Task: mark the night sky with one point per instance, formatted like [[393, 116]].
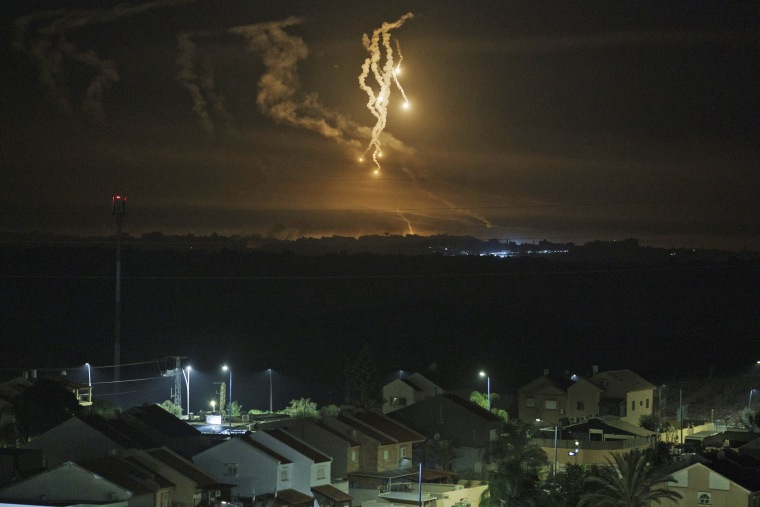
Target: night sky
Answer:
[[528, 120]]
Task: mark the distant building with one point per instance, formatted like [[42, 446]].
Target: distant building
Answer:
[[403, 392]]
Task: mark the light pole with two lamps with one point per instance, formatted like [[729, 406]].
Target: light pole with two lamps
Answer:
[[556, 428], [224, 368], [488, 387], [186, 374]]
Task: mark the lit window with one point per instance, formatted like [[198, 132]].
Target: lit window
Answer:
[[284, 475], [403, 452], [353, 456], [385, 455]]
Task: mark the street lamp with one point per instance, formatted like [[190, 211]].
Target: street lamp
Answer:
[[488, 384], [749, 405], [213, 406], [224, 368], [89, 377], [186, 374], [556, 427], [270, 390]]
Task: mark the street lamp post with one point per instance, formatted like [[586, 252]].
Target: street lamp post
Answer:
[[749, 405], [270, 390], [186, 374], [556, 428], [488, 387], [230, 389], [89, 377]]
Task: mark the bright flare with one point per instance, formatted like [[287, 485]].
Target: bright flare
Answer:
[[383, 72]]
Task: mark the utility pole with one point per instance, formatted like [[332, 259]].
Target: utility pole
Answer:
[[118, 210]]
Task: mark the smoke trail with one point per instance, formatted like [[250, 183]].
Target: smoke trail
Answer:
[[448, 203], [49, 46], [383, 72], [405, 219], [201, 88]]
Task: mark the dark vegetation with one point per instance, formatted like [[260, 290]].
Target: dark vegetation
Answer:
[[664, 316]]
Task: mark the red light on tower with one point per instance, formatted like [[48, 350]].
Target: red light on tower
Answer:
[[118, 205]]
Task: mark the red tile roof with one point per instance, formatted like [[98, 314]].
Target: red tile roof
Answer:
[[298, 445]]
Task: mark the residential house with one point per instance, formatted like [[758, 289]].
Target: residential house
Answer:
[[163, 427], [66, 484], [721, 479], [385, 450], [86, 437], [552, 399], [403, 392], [343, 448], [147, 489], [16, 463], [625, 393], [592, 441], [252, 467], [464, 428], [192, 485], [311, 468]]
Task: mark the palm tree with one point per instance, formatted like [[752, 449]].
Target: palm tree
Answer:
[[516, 478], [627, 481]]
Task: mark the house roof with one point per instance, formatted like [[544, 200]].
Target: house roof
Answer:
[[743, 471], [293, 497], [472, 407], [184, 467], [547, 381], [628, 379], [365, 429], [120, 432], [298, 445], [127, 474], [348, 438], [162, 421], [397, 431], [332, 493], [612, 422], [266, 450]]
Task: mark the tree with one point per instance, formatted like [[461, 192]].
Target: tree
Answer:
[[236, 409], [170, 407], [105, 408], [44, 405], [331, 410], [364, 381], [301, 408], [441, 451], [482, 399], [627, 480], [516, 479], [565, 488]]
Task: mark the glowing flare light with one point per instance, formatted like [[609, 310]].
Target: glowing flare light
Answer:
[[384, 72]]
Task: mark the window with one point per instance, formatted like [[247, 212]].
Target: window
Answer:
[[353, 456], [403, 451], [230, 469], [579, 405], [550, 404], [385, 455], [321, 472], [633, 405], [530, 401], [398, 402], [647, 403], [704, 498], [284, 475]]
